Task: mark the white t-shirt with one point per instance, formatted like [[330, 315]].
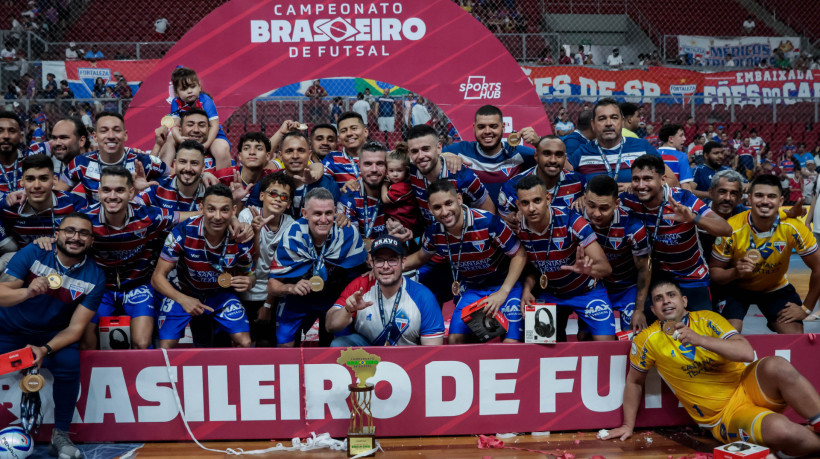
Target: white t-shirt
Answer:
[[71, 54], [756, 143], [419, 114], [564, 126], [361, 107], [614, 61], [161, 25], [268, 241]]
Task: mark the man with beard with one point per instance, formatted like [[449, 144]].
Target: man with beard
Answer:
[[295, 156], [11, 138], [713, 163], [484, 257], [564, 260], [314, 263], [704, 361], [184, 191], [564, 186], [363, 206], [47, 297], [85, 170], [387, 309], [211, 266], [40, 212], [753, 261], [193, 125], [69, 138], [322, 140], [626, 246], [671, 217], [493, 160]]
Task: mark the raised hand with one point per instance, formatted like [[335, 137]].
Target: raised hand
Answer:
[[683, 214], [583, 264], [356, 302], [140, 180]]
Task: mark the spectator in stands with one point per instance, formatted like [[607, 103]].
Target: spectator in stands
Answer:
[[110, 104], [65, 93], [50, 89], [122, 89], [361, 107], [749, 25], [764, 64], [94, 54], [335, 110], [11, 92], [651, 137], [779, 59], [386, 112], [99, 88], [695, 150], [565, 59], [654, 59], [580, 57], [8, 58], [816, 153], [615, 60], [713, 154], [802, 156], [315, 93], [728, 61], [564, 125], [631, 119], [161, 25], [789, 146], [72, 53], [419, 113], [545, 57]]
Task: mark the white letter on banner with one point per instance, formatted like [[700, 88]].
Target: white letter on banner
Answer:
[[633, 88], [489, 386], [290, 401], [317, 397], [148, 387], [588, 87], [259, 31], [788, 88], [543, 85], [280, 31], [97, 405], [192, 394], [301, 31], [218, 406], [400, 392], [605, 88], [434, 374], [561, 85], [550, 384], [251, 393], [413, 29], [589, 384]]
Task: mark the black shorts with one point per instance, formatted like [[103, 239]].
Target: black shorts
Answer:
[[737, 302]]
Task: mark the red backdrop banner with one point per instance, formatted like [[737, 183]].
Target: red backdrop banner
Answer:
[[442, 390], [246, 48]]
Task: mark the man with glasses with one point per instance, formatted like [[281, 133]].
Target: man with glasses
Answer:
[[47, 297], [386, 309]]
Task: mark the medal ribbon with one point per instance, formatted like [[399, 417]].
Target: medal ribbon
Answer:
[[12, 185], [531, 247], [220, 266], [319, 268], [368, 223], [385, 334], [767, 234], [657, 221], [605, 160], [193, 199], [454, 269]]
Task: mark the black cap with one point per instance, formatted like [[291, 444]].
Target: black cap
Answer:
[[387, 242]]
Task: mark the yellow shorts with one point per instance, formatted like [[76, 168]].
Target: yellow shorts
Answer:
[[742, 418]]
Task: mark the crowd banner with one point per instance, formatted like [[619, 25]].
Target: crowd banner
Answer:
[[246, 48], [82, 75], [436, 391], [745, 51], [677, 86]]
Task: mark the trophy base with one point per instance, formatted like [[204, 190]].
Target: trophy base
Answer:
[[358, 443]]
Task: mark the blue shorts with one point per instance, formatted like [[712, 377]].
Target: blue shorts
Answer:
[[293, 315], [511, 310], [137, 302], [228, 312], [624, 301], [592, 307]]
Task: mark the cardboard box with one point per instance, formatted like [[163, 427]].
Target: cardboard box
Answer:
[[16, 360], [540, 323], [115, 332], [483, 327], [741, 450], [625, 335]]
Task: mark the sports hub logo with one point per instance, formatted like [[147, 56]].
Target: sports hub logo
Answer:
[[477, 87], [338, 29]]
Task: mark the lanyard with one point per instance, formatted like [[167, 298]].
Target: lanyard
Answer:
[[319, 268], [368, 223], [219, 267], [61, 269], [531, 246], [12, 185], [192, 204], [768, 234], [454, 269], [605, 160], [657, 220], [353, 163], [386, 321], [294, 209]]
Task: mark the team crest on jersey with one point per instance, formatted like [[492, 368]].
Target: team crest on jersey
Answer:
[[401, 322], [559, 242], [743, 435], [779, 246], [229, 259], [140, 233], [615, 242], [76, 291], [479, 245], [506, 171], [687, 351]]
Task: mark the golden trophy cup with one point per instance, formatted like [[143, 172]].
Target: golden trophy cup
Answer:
[[361, 435]]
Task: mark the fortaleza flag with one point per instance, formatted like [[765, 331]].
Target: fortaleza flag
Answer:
[[81, 75]]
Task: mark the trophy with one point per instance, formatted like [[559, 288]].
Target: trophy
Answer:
[[361, 435]]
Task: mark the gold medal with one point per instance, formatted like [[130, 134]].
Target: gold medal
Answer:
[[649, 265], [301, 127], [55, 281], [754, 255], [544, 281], [668, 326], [32, 383], [224, 280], [456, 288], [368, 243], [514, 139], [168, 121], [317, 284]]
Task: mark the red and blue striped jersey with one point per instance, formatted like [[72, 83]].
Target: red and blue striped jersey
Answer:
[[676, 251], [486, 248], [341, 167], [129, 251], [678, 163], [746, 156], [548, 251], [588, 159], [195, 258], [11, 176], [466, 182], [352, 204], [625, 237], [85, 170], [166, 195], [495, 170], [570, 187], [25, 225]]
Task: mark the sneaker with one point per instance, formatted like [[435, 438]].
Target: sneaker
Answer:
[[62, 447]]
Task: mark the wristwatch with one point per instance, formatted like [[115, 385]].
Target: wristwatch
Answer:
[[49, 350]]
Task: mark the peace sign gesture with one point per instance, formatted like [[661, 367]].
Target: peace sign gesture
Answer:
[[356, 302], [583, 264], [238, 190], [683, 214], [258, 221]]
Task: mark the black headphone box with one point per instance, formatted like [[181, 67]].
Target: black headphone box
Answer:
[[483, 327], [540, 323], [115, 332]]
